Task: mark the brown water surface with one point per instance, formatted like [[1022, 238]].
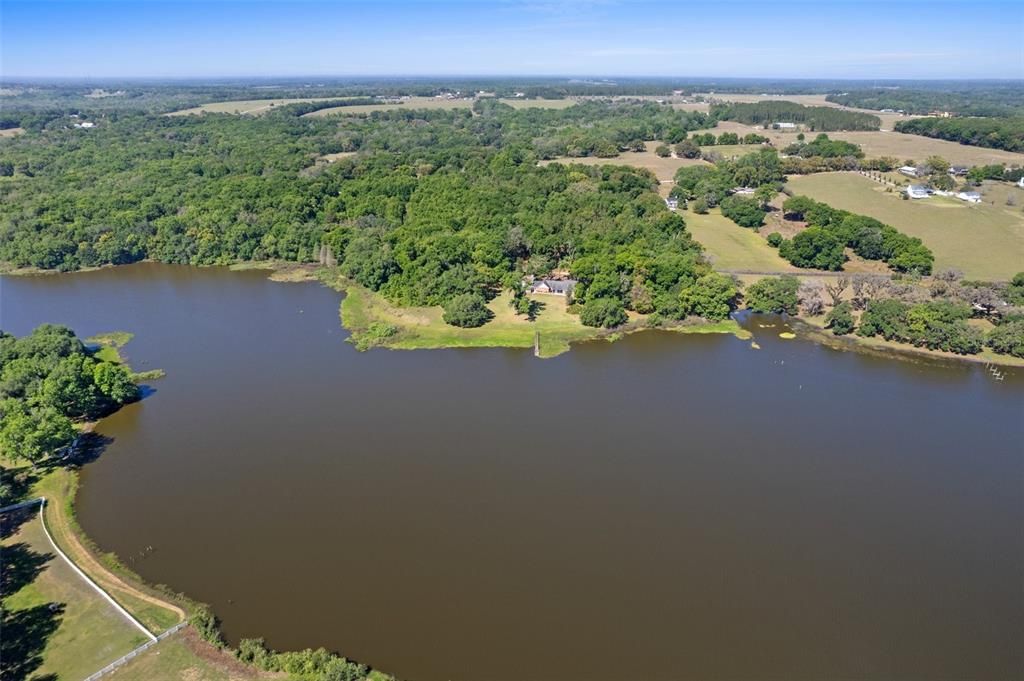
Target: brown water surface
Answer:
[[665, 507]]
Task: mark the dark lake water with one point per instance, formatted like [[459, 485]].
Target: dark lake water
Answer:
[[665, 507]]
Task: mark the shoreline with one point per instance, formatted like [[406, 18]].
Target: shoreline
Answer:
[[810, 328], [294, 272]]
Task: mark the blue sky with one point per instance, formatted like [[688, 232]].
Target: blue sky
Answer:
[[891, 39]]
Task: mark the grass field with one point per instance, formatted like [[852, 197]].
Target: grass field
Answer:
[[11, 132], [423, 327], [248, 106], [731, 247], [86, 635], [184, 657], [985, 241], [663, 168]]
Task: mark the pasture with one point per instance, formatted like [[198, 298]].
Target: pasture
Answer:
[[248, 106], [984, 241], [52, 613], [731, 247], [11, 132]]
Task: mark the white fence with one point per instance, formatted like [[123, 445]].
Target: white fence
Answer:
[[138, 651]]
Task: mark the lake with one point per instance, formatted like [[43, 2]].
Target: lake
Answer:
[[663, 507]]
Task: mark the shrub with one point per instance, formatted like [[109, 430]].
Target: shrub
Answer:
[[467, 310], [815, 247], [840, 319], [1007, 338], [606, 312], [775, 239], [663, 150], [207, 625], [774, 294], [743, 211]]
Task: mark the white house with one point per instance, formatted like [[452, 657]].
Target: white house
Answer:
[[785, 126], [672, 203], [558, 287], [918, 191], [969, 197], [85, 124], [909, 171], [1020, 183]]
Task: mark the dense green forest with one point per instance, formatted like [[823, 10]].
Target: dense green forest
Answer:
[[994, 133], [815, 118], [49, 380], [997, 98], [435, 204]]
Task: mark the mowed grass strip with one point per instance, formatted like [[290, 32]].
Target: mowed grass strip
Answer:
[[88, 633], [731, 247], [985, 241]]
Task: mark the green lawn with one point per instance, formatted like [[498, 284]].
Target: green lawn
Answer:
[[985, 241], [731, 247], [64, 627]]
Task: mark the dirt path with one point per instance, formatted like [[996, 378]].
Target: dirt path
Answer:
[[59, 525]]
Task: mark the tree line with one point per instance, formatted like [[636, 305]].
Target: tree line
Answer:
[[830, 231], [993, 133], [964, 99], [814, 118]]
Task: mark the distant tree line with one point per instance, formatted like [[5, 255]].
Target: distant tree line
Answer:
[[964, 99], [814, 118], [994, 133]]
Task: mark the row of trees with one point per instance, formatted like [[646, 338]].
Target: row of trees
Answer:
[[830, 231], [995, 133], [49, 380], [823, 147], [814, 118]]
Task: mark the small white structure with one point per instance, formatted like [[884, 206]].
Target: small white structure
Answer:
[[969, 197], [744, 191], [786, 126], [958, 171], [672, 203], [909, 171], [918, 191], [1020, 183], [85, 124]]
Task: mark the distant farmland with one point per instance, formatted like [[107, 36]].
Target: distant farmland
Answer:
[[985, 241], [440, 103], [248, 106]]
